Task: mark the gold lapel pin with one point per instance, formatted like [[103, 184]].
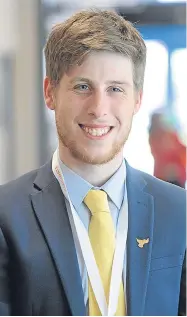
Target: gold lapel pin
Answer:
[[141, 242]]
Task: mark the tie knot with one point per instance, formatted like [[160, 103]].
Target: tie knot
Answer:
[[96, 201]]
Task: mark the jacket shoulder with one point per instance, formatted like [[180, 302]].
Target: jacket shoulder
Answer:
[[20, 183], [16, 191], [164, 189], [165, 193]]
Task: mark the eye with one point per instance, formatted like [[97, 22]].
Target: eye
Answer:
[[82, 87], [115, 89]]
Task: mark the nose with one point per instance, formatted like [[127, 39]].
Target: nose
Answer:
[[98, 105]]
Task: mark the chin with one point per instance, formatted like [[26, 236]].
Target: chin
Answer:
[[96, 158], [89, 154]]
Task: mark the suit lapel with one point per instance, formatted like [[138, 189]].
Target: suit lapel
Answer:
[[141, 219], [50, 209]]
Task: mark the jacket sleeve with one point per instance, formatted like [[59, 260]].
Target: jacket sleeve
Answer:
[[4, 289], [182, 300]]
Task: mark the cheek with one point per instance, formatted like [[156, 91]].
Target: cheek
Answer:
[[124, 116], [72, 106], [69, 116], [122, 110], [64, 109]]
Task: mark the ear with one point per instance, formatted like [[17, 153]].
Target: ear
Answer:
[[49, 94], [138, 100]]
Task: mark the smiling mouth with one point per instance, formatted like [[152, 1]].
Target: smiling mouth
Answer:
[[96, 132]]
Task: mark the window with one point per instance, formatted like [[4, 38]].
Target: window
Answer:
[[137, 150]]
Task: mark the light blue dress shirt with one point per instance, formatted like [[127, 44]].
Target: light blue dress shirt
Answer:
[[78, 188]]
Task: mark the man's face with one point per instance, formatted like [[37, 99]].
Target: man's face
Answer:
[[94, 105]]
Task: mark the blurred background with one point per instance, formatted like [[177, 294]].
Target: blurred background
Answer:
[[157, 143]]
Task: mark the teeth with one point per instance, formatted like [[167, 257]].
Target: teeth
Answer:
[[96, 132]]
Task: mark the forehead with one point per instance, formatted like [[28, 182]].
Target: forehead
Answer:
[[103, 66]]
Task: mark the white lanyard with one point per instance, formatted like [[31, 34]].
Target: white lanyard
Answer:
[[87, 252]]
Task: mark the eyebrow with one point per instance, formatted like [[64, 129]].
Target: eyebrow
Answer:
[[118, 82], [84, 79]]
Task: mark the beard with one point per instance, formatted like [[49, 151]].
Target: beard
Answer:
[[82, 153]]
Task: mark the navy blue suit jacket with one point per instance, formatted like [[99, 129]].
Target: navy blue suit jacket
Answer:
[[39, 273]]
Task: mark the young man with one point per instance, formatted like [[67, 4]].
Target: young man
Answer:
[[86, 234]]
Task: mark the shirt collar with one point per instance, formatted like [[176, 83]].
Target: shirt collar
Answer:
[[114, 187]]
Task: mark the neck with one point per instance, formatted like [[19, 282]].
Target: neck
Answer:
[[97, 175]]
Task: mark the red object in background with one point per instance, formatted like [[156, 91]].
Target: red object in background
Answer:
[[169, 155]]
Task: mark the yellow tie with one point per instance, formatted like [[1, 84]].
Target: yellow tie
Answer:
[[102, 239]]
